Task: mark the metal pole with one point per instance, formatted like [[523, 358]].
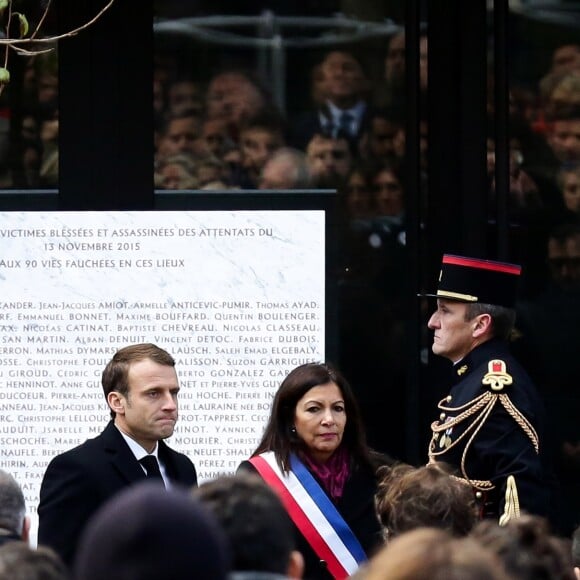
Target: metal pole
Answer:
[[264, 30], [278, 75]]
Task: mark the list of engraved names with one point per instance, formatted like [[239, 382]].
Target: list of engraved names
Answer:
[[228, 307]]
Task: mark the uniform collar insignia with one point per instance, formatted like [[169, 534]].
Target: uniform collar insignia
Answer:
[[462, 370], [497, 376]]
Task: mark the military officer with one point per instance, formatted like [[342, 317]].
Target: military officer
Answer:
[[490, 425]]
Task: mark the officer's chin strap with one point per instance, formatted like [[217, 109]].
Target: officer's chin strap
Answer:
[[512, 502]]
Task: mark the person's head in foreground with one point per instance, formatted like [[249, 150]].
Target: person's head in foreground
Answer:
[[432, 554], [256, 523], [428, 496], [149, 533]]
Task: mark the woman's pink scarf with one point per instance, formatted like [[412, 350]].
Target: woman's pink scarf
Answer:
[[332, 474]]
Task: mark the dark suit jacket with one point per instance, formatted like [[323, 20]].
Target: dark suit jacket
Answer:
[[357, 508], [79, 481], [306, 124]]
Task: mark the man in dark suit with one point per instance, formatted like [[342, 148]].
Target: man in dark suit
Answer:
[[491, 425], [141, 388], [343, 109]]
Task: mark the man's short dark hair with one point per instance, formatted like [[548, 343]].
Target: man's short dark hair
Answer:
[[503, 319], [270, 121], [254, 519], [115, 377], [326, 134]]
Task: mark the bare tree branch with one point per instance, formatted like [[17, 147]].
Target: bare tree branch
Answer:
[[16, 44], [16, 41], [42, 19]]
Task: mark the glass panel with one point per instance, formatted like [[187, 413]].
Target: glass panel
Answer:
[[280, 95], [544, 219], [251, 95], [29, 109]]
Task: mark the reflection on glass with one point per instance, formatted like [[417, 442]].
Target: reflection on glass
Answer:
[[29, 127]]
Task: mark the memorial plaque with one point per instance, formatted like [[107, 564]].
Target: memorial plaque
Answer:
[[238, 298]]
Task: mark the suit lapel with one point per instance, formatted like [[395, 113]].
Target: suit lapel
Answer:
[[171, 466], [120, 455]]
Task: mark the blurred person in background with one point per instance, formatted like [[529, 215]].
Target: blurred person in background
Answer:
[[329, 160], [564, 135], [569, 183], [260, 137], [176, 171], [345, 86], [235, 96], [184, 96], [287, 168], [181, 133]]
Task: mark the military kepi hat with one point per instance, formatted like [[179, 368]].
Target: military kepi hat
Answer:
[[474, 280]]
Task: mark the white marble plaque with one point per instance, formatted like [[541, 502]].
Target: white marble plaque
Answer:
[[236, 297]]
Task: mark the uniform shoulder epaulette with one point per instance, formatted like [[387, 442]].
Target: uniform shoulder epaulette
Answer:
[[497, 377], [475, 414]]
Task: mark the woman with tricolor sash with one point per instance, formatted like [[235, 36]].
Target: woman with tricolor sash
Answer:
[[314, 454]]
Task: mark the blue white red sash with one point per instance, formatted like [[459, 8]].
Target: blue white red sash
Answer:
[[314, 514]]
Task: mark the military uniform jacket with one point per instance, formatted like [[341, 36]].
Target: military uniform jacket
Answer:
[[490, 428]]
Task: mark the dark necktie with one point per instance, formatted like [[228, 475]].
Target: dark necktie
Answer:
[[151, 465], [345, 124]]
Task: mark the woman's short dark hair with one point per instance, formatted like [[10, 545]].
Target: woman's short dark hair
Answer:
[[278, 436]]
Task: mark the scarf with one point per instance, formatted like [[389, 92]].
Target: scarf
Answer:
[[332, 474]]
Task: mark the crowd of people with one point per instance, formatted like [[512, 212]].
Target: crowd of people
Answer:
[[236, 527], [314, 500], [352, 126], [347, 132], [29, 131], [221, 129], [230, 122]]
